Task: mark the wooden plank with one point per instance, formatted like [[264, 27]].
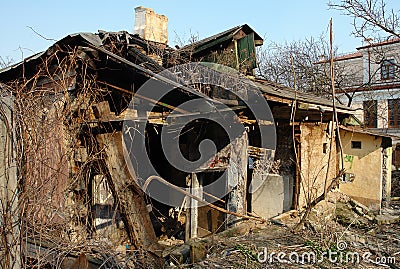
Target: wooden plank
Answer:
[[145, 98], [130, 198], [187, 210], [103, 112], [45, 252]]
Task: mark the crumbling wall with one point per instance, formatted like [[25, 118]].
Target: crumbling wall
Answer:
[[9, 220], [318, 160], [58, 162], [150, 25]]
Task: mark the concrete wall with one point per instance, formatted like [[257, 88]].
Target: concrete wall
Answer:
[[267, 201], [286, 158], [382, 97], [349, 70], [366, 165], [387, 155], [373, 57], [314, 159]]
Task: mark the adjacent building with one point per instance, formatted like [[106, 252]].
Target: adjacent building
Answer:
[[372, 84]]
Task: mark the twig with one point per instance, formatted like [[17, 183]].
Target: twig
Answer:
[[33, 30]]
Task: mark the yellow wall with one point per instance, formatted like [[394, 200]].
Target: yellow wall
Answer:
[[366, 165], [314, 162]]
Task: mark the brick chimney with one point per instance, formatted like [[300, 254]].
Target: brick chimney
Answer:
[[150, 25]]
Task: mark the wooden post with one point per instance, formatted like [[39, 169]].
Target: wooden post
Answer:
[[237, 179], [130, 198], [194, 204], [187, 208], [196, 190]]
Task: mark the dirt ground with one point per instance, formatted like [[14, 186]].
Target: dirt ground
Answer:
[[347, 236]]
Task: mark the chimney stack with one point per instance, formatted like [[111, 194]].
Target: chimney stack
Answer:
[[150, 25]]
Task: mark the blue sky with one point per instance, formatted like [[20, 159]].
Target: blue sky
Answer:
[[277, 21]]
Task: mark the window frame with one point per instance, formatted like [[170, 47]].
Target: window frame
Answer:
[[395, 110], [388, 69], [356, 144], [370, 116]]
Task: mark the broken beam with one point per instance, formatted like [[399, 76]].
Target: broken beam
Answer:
[[130, 197], [144, 97]]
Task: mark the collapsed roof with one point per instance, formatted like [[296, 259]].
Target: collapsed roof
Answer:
[[135, 53]]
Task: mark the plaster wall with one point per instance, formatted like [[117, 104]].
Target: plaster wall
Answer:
[[268, 200], [366, 165], [317, 168]]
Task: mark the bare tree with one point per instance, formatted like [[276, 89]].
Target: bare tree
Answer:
[[4, 62], [371, 18], [275, 64], [310, 65]]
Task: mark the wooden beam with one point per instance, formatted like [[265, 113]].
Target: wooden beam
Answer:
[[145, 98], [130, 198], [202, 201]]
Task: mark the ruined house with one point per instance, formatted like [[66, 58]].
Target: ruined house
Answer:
[[75, 124]]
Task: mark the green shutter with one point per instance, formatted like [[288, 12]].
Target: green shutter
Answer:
[[247, 52]]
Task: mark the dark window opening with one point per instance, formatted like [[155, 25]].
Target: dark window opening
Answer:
[[370, 113], [393, 113], [388, 69], [325, 148], [355, 144]]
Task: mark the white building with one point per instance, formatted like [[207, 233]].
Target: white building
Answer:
[[369, 80], [372, 84]]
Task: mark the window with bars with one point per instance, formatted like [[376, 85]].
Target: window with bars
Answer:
[[393, 111], [370, 113], [388, 69]]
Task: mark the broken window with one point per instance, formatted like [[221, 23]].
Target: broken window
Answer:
[[348, 178], [103, 203], [324, 148]]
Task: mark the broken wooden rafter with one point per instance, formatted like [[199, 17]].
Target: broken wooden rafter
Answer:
[[144, 97], [129, 196], [200, 200], [149, 73]]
